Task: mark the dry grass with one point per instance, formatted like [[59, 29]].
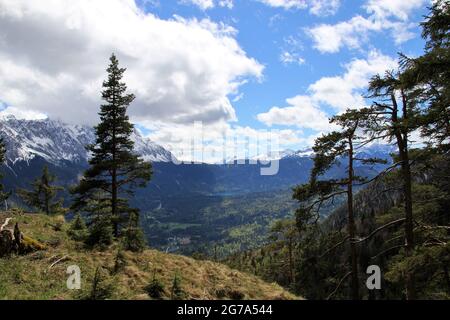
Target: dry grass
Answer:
[[30, 276]]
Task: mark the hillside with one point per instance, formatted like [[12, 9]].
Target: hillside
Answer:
[[32, 276]]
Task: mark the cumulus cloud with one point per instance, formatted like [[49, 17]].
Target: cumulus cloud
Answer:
[[342, 92], [338, 93], [53, 60], [302, 111], [391, 15]]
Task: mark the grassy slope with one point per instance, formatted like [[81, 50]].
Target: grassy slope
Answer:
[[29, 277]]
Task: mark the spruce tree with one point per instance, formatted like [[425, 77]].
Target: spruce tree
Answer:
[[43, 194], [133, 237], [115, 169], [78, 230], [177, 292], [156, 288], [3, 195], [100, 226]]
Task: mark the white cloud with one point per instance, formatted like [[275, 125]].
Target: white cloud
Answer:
[[302, 111], [342, 92], [324, 7], [53, 60], [286, 4], [316, 7], [291, 51], [393, 8], [392, 15], [339, 93], [202, 4], [209, 4], [220, 142], [22, 114], [226, 4], [287, 57]]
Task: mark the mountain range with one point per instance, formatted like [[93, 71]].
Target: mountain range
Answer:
[[205, 202]]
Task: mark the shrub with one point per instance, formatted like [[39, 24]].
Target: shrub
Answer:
[[78, 230], [177, 292], [155, 289]]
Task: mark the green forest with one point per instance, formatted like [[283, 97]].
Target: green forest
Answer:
[[400, 220]]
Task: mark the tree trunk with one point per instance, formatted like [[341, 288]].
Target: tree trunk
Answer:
[[291, 263], [114, 212], [114, 204], [447, 277], [401, 135], [351, 225]]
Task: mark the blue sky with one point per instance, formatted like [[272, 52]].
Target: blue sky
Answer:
[[241, 65], [266, 32]]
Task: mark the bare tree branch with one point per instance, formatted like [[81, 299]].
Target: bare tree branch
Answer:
[[387, 225], [339, 285]]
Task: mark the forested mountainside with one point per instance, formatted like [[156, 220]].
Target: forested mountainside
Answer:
[[391, 240], [312, 263]]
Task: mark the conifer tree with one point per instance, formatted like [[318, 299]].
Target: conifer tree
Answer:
[[100, 226], [115, 169], [429, 74], [331, 149], [156, 288], [284, 233], [392, 117], [133, 237], [3, 195], [43, 194], [177, 292], [78, 230]]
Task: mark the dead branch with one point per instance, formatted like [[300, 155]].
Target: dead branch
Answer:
[[5, 224], [64, 258], [385, 171], [387, 225], [387, 250], [339, 285], [334, 247]]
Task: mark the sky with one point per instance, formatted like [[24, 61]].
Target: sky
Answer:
[[240, 67]]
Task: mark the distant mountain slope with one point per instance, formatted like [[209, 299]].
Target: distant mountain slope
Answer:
[[202, 203]]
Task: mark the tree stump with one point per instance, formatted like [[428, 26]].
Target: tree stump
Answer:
[[7, 243]]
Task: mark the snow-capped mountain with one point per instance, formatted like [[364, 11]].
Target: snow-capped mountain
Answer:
[[55, 141], [375, 150], [304, 153]]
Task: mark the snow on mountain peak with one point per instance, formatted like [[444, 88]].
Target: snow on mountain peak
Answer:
[[56, 141]]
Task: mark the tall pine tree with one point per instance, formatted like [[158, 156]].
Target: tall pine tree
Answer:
[[43, 194], [332, 149], [393, 117], [115, 170], [429, 74]]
